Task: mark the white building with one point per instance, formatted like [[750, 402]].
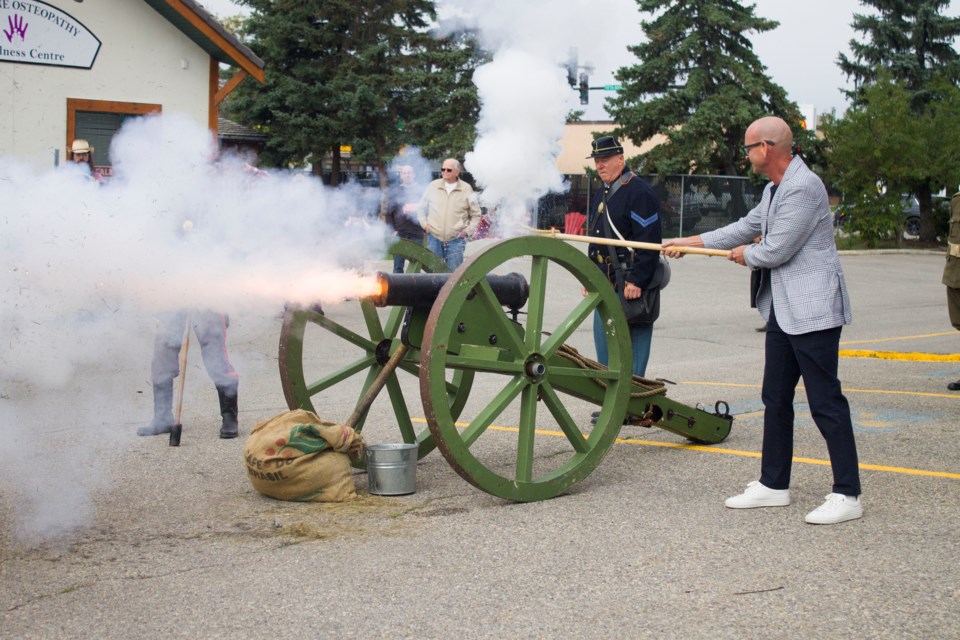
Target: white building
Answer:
[[75, 69]]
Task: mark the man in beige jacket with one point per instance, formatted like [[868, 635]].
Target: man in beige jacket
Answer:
[[449, 213]]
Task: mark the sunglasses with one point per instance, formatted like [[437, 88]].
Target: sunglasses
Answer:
[[447, 170], [747, 147]]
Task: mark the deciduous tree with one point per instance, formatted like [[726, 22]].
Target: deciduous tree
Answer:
[[909, 42], [884, 147]]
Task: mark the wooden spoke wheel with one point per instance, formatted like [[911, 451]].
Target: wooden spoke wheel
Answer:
[[371, 352], [524, 380]]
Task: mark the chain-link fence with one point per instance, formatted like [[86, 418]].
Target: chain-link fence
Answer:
[[689, 204]]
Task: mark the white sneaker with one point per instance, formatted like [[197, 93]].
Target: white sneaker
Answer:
[[758, 495], [837, 508]]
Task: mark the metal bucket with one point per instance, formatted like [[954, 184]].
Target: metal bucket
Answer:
[[392, 469]]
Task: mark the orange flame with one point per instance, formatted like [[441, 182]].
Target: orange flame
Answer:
[[369, 288]]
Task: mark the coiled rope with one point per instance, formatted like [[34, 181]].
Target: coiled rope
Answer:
[[646, 386]]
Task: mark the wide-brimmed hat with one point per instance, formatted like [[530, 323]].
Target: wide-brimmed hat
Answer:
[[605, 147], [80, 146]]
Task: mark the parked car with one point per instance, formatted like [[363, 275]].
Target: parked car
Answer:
[[670, 218], [911, 213]]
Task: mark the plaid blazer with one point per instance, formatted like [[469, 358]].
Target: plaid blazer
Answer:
[[796, 225]]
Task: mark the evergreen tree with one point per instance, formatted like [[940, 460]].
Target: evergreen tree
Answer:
[[442, 106], [910, 43], [363, 73], [699, 84]]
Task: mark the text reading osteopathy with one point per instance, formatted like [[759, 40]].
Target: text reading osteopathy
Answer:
[[41, 12]]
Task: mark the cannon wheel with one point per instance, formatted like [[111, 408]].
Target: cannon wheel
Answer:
[[521, 359], [373, 353]]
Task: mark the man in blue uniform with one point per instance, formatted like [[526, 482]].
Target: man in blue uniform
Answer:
[[625, 209]]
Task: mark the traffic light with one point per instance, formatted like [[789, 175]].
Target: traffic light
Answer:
[[571, 67], [584, 89]]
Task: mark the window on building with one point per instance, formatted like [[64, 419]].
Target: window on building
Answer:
[[98, 129], [96, 121]]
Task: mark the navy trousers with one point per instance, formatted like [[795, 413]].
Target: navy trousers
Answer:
[[814, 357]]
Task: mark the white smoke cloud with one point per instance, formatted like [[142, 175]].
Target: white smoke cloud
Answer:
[[87, 267], [525, 96], [514, 158], [410, 156]]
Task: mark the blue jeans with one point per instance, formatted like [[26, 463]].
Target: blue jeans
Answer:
[[451, 251], [399, 261], [640, 338]]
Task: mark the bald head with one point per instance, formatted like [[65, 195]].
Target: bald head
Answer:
[[768, 143], [775, 130]]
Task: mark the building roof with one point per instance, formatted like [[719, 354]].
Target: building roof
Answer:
[[203, 29], [230, 130]]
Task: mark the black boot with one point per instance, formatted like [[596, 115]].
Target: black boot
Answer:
[[162, 411], [228, 411]]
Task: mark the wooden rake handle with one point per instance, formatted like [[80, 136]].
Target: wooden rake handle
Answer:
[[377, 385], [647, 246]]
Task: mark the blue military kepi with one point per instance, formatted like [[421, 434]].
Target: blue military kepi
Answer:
[[605, 147]]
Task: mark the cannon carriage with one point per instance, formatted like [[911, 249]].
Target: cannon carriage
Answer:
[[486, 347]]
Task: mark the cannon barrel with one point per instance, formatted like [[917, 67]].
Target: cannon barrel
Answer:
[[421, 289]]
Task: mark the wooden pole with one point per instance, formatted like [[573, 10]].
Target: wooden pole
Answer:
[[388, 368], [184, 348], [177, 428], [648, 246]]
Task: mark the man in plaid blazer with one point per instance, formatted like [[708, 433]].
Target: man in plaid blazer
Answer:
[[803, 297]]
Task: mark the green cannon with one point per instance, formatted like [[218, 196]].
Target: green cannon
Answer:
[[481, 370]]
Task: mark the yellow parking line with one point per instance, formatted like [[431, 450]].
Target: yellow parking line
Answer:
[[922, 394], [734, 452], [899, 355], [756, 454], [926, 335]]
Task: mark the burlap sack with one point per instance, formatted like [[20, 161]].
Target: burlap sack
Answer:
[[297, 456]]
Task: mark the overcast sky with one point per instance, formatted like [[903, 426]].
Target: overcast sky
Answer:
[[800, 54]]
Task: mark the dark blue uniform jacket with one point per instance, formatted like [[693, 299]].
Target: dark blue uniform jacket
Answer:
[[635, 211]]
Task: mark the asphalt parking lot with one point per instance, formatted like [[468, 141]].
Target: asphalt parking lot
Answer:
[[173, 542]]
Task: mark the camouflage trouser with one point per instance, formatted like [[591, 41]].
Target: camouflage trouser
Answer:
[[211, 330], [953, 306]]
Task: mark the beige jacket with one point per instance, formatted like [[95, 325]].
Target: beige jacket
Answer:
[[446, 215]]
